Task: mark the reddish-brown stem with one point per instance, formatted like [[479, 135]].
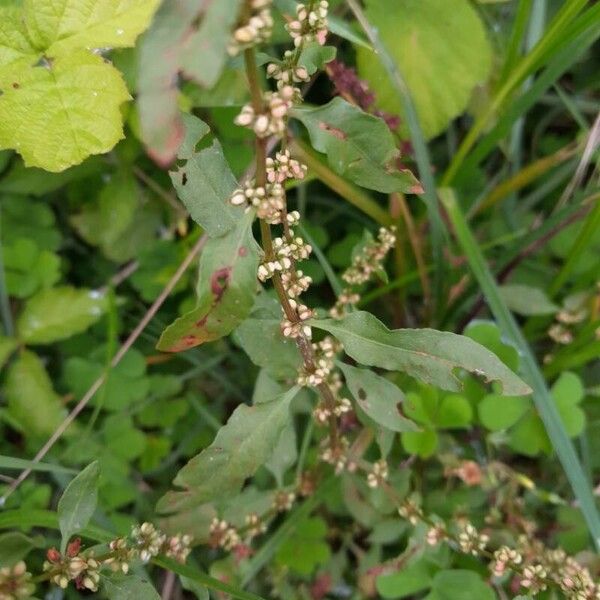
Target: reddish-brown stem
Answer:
[[304, 344]]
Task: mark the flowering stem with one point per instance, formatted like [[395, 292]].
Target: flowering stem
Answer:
[[304, 344]]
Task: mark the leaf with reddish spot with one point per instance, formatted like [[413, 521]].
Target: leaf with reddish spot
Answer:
[[358, 146], [226, 290], [206, 50], [160, 118], [189, 36]]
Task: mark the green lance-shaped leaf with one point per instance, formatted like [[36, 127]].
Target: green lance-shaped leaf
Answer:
[[441, 65], [78, 502], [204, 182], [378, 397], [58, 313], [33, 405], [60, 26], [56, 115], [358, 146], [227, 286], [241, 446], [425, 354], [129, 587]]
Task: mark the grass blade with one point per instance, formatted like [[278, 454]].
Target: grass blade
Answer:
[[583, 239], [9, 462], [558, 33], [532, 374]]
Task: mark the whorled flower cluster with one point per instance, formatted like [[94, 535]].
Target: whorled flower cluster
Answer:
[[272, 118], [364, 265], [535, 567], [310, 24], [287, 71], [228, 537], [15, 582], [145, 542], [255, 31], [379, 474]]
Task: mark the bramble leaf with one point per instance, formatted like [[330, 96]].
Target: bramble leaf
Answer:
[[241, 446], [358, 146], [57, 114], [15, 46], [60, 26], [227, 286], [425, 354]]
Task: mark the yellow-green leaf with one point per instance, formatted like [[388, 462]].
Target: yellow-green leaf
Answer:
[[61, 26], [32, 403], [58, 313], [15, 45], [442, 51], [57, 114]]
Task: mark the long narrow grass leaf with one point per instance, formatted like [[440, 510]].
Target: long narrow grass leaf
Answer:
[[532, 374]]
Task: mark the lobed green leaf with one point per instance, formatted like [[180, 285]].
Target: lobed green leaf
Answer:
[[241, 446], [425, 354]]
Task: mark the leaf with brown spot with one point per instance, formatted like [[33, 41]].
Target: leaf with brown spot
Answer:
[[378, 397], [203, 181], [358, 146], [226, 289]]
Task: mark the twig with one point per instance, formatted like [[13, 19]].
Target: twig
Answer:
[[133, 336], [159, 191], [590, 147], [119, 277]]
